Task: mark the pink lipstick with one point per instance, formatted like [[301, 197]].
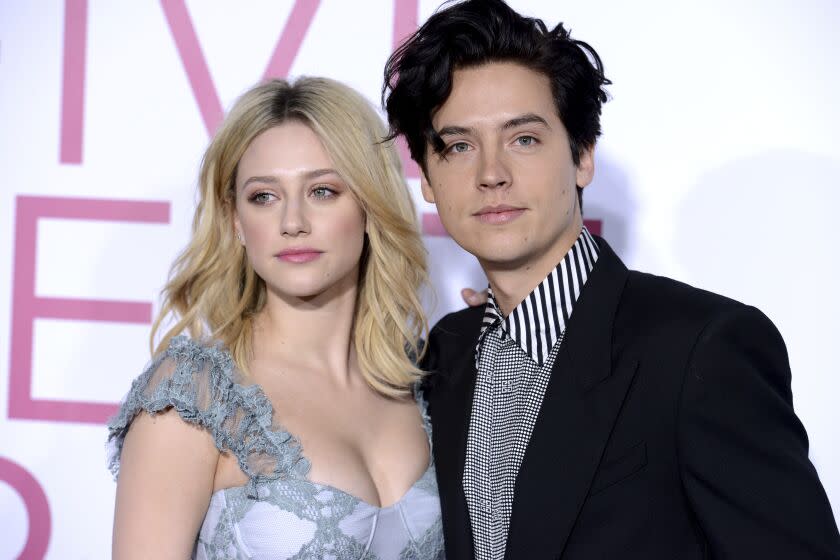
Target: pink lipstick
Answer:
[[299, 255]]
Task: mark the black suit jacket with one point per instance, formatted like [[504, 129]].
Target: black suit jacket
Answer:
[[666, 431]]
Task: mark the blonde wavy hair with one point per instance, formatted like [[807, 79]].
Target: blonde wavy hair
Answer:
[[214, 292]]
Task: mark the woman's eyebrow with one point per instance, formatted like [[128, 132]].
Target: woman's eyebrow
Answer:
[[272, 180]]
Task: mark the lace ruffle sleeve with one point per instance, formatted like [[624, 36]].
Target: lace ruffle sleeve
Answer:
[[200, 382]]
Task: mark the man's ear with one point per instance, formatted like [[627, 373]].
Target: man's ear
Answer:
[[586, 168], [426, 188]]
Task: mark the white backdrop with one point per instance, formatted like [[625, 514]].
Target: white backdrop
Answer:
[[718, 166]]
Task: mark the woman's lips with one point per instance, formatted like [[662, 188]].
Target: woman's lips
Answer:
[[299, 255]]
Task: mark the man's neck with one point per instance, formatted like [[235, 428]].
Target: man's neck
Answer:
[[511, 284], [510, 287]]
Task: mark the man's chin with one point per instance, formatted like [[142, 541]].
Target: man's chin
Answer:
[[501, 261]]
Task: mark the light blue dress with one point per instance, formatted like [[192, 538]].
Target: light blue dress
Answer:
[[279, 513]]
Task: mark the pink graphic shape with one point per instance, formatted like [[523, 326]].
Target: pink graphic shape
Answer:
[[594, 226], [186, 41], [37, 508], [431, 225], [405, 20], [303, 12], [405, 23], [73, 81], [26, 306], [195, 65]]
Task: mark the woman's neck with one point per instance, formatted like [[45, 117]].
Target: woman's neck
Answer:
[[314, 332]]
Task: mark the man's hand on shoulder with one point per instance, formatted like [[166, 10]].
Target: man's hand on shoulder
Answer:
[[474, 298]]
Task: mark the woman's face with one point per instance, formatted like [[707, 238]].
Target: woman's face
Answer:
[[301, 226]]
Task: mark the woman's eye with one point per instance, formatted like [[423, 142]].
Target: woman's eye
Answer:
[[526, 140], [323, 192], [261, 197]]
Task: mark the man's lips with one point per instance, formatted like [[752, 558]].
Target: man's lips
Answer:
[[500, 214], [299, 255]]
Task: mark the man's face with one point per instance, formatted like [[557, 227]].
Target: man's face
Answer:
[[505, 184]]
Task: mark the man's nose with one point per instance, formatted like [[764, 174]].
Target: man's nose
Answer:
[[493, 171]]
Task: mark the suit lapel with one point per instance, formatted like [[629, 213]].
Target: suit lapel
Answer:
[[580, 407]]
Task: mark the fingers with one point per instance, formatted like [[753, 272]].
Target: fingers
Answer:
[[473, 298]]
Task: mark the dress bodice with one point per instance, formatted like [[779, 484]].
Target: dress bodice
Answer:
[[279, 513]]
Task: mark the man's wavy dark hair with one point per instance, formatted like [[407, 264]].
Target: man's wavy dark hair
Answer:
[[418, 76]]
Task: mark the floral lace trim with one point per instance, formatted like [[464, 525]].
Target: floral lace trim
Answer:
[[238, 416]]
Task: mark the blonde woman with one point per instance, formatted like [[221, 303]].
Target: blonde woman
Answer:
[[279, 417]]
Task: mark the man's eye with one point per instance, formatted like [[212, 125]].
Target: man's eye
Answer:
[[459, 147], [526, 140]]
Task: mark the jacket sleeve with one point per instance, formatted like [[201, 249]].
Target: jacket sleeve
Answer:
[[430, 362], [743, 452]]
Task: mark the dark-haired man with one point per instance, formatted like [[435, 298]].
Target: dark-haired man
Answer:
[[586, 411]]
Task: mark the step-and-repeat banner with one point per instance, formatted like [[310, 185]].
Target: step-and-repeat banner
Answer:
[[718, 166]]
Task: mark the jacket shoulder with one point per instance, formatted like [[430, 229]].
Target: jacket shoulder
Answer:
[[667, 299], [463, 323], [663, 311]]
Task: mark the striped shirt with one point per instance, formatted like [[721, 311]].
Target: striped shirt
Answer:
[[514, 358]]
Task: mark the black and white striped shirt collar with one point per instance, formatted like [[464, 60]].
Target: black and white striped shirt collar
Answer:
[[540, 319]]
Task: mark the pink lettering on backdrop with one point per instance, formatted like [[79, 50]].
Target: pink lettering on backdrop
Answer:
[[195, 65], [430, 224], [37, 508], [303, 12], [27, 306], [73, 81], [594, 226], [405, 23]]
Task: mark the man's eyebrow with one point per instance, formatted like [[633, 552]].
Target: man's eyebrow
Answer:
[[272, 180], [528, 118], [455, 131]]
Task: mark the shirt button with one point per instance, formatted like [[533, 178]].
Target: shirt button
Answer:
[[487, 507], [507, 386]]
